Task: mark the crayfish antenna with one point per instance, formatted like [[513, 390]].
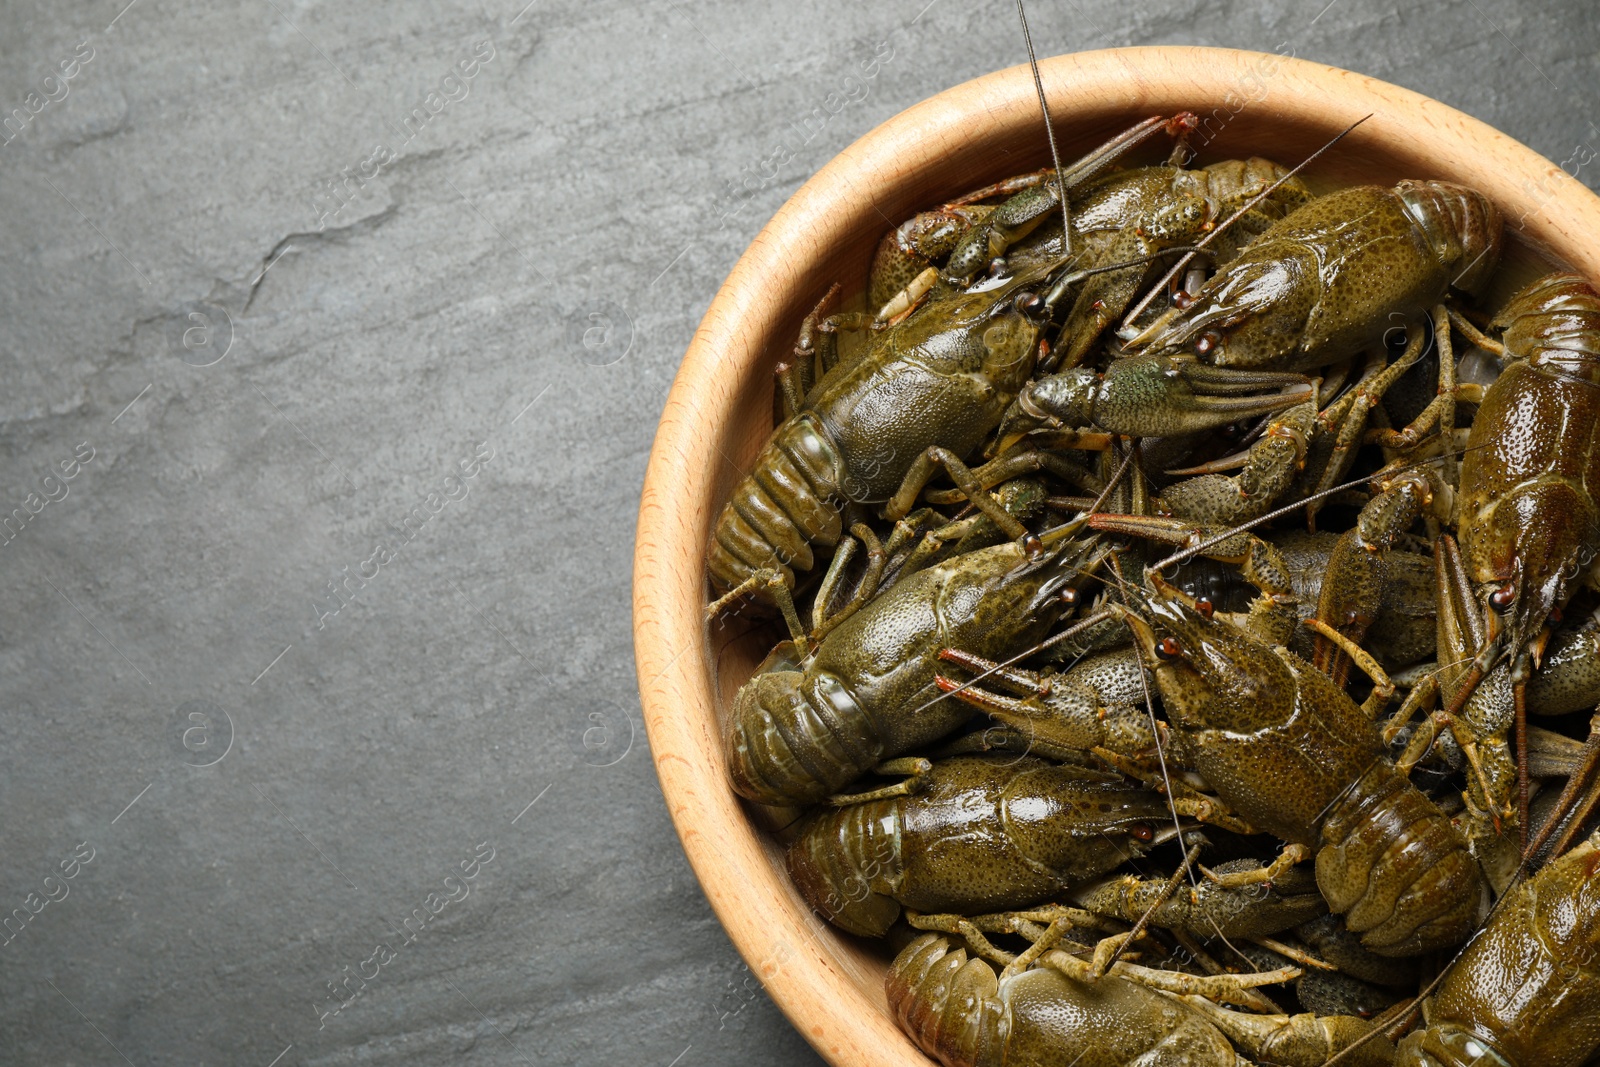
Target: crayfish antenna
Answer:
[[1049, 132]]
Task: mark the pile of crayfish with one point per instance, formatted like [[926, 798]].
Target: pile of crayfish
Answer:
[[1191, 621]]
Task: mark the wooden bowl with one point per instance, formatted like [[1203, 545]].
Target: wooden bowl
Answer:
[[719, 412]]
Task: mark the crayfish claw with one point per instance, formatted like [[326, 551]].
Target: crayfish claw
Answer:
[[1160, 396]]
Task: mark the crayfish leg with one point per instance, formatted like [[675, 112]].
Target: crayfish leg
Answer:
[[1571, 812], [914, 768], [924, 468], [1291, 855]]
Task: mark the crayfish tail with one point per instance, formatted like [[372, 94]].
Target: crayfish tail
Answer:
[[1396, 868], [784, 506], [839, 860], [783, 751], [949, 1004]]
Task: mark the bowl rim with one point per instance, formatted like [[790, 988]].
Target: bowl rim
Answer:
[[793, 953]]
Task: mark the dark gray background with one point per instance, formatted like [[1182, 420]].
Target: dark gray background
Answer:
[[524, 274]]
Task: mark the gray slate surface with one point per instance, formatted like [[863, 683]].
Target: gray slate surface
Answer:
[[271, 383]]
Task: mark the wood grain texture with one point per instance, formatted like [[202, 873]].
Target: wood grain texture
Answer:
[[719, 410]]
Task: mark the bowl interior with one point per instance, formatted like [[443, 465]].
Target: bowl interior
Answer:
[[720, 411]]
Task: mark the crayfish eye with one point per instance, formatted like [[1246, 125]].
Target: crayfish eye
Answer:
[[1502, 599], [1069, 596], [1181, 299], [1141, 831], [1208, 340], [1030, 304], [1205, 608], [1169, 648]]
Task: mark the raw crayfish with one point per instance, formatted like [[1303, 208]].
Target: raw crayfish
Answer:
[[1290, 358]]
